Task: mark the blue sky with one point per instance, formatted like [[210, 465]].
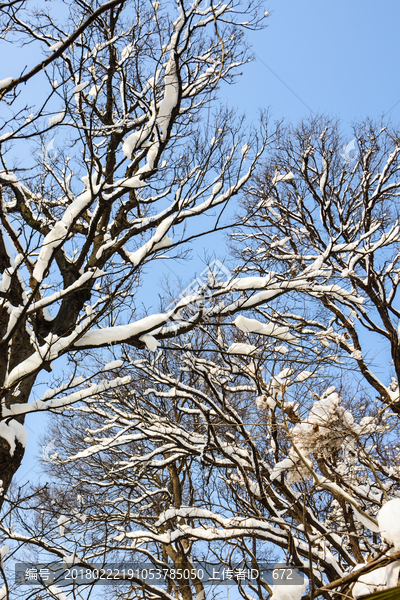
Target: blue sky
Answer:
[[339, 58]]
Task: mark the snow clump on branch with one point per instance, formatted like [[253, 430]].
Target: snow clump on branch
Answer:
[[389, 522], [325, 430]]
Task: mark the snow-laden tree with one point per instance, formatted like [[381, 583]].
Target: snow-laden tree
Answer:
[[228, 451], [316, 209], [122, 85], [173, 439], [279, 426]]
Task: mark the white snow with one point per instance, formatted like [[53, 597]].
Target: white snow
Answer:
[[171, 96], [52, 240], [119, 333], [94, 91], [60, 231], [5, 280], [158, 241], [56, 46], [289, 592], [9, 176], [69, 561], [11, 432], [320, 431], [54, 297], [57, 118], [303, 375], [255, 283], [115, 364], [280, 467], [370, 582], [150, 341], [279, 177], [252, 325], [377, 580], [61, 521], [6, 135], [93, 389], [245, 150], [127, 51], [81, 86], [389, 522], [57, 592], [130, 144], [237, 348], [4, 550], [270, 402], [166, 242], [217, 187], [133, 183], [160, 115], [368, 523], [5, 82], [323, 410], [281, 349]]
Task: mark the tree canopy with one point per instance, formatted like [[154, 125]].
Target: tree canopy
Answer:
[[253, 419], [123, 84]]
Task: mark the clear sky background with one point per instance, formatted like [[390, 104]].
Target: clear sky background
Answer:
[[335, 58], [339, 58]]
